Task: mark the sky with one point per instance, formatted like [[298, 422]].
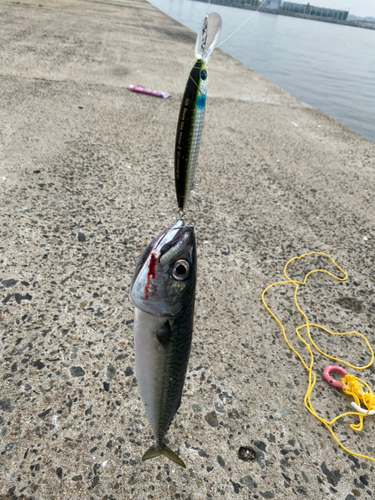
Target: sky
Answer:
[[361, 8]]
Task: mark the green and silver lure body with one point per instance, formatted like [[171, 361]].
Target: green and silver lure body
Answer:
[[190, 121]]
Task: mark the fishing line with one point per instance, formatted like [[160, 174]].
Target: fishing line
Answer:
[[243, 24], [230, 36]]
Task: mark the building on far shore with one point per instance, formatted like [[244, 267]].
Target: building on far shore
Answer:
[[311, 10], [304, 11], [272, 4]]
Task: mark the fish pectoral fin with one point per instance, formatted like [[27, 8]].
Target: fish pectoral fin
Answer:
[[154, 451], [163, 334], [167, 452]]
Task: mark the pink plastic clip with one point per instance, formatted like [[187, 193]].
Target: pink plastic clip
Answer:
[[144, 90], [332, 381]]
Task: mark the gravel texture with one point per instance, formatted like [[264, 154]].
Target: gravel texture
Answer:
[[86, 179]]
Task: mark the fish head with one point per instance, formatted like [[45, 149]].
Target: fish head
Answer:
[[166, 272]]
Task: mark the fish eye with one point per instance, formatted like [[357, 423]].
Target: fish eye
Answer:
[[203, 74], [180, 270]]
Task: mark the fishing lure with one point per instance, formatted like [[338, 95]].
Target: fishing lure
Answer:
[[190, 121], [163, 294]]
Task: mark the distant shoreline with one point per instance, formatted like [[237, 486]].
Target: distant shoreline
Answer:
[[238, 5]]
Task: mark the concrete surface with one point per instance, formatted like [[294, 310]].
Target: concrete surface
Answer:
[[88, 170]]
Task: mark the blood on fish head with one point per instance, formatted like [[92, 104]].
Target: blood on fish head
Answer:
[[165, 272], [151, 273]]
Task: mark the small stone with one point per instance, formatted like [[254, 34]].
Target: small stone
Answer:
[[95, 481], [76, 371], [77, 478], [83, 304], [7, 298], [88, 411], [233, 414], [236, 486], [196, 408], [267, 494], [349, 497], [202, 453], [364, 479], [333, 477], [271, 438], [5, 405], [356, 492], [211, 419], [220, 461], [261, 445], [372, 367], [81, 237], [106, 386], [59, 472], [44, 413], [39, 364], [219, 408], [128, 371], [19, 298], [111, 372], [9, 283], [247, 453], [9, 447], [248, 481], [305, 476]]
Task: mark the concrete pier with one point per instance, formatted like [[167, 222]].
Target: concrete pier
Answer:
[[86, 180]]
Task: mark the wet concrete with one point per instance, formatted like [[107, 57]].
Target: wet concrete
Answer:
[[86, 180]]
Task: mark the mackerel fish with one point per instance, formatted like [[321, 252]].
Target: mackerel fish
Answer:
[[163, 294]]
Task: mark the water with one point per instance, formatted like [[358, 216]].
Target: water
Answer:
[[329, 66]]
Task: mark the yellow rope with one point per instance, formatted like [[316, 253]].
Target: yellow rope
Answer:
[[351, 385]]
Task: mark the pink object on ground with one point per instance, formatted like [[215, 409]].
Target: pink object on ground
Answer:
[[144, 90], [332, 381]]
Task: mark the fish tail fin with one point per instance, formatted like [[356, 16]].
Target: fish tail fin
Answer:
[[167, 452], [155, 451], [152, 452]]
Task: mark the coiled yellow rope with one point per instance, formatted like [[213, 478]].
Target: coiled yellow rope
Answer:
[[351, 385]]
